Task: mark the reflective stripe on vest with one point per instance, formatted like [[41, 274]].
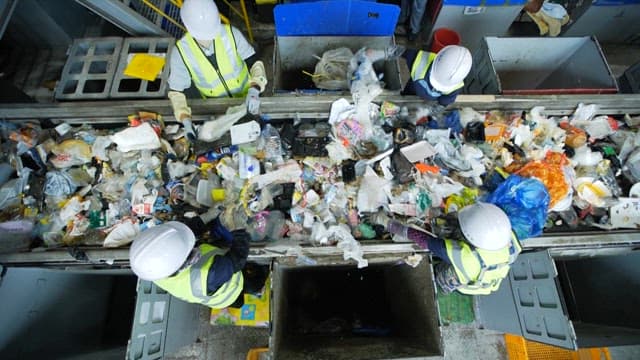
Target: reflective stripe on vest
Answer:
[[232, 68], [190, 284], [492, 266], [421, 65]]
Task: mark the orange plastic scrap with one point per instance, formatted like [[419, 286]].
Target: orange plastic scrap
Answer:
[[549, 171], [494, 132], [425, 168]]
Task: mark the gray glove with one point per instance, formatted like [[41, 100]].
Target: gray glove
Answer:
[[393, 52], [253, 101], [189, 130]]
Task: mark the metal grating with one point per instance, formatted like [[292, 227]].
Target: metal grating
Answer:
[[89, 70], [149, 13], [127, 87]]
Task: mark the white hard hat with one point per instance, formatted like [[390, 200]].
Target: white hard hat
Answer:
[[201, 18], [485, 226], [450, 67], [161, 250]]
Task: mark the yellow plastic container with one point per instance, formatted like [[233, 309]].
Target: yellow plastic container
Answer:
[[520, 349], [254, 354]]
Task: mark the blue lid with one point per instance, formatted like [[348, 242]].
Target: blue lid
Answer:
[[342, 18], [615, 2], [480, 3]]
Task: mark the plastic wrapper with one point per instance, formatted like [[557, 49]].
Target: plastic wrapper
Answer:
[[266, 225], [584, 112], [141, 137], [364, 83], [331, 70], [122, 234], [372, 193], [214, 129], [70, 153], [340, 235], [59, 184], [468, 115], [550, 171]]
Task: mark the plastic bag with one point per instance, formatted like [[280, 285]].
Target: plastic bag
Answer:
[[331, 71], [71, 153], [364, 83], [525, 201], [141, 137], [214, 129], [550, 171], [372, 194]]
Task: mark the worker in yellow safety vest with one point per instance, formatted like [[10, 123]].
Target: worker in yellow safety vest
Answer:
[[437, 76], [434, 77], [212, 60], [476, 264], [206, 274]]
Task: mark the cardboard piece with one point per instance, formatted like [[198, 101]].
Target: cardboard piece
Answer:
[[255, 311]]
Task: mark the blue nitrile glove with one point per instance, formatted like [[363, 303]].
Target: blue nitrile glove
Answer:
[[253, 101], [218, 231]]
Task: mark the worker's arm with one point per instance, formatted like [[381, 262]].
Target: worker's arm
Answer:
[[224, 266], [410, 56], [423, 240], [445, 100], [388, 53]]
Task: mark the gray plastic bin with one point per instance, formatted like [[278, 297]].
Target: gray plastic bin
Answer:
[[540, 66], [293, 54], [384, 311]]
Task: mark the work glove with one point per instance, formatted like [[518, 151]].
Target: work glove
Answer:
[[393, 52], [253, 101], [550, 18], [389, 53], [189, 130], [181, 109], [258, 76]]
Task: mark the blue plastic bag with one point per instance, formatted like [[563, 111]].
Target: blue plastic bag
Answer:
[[525, 201], [450, 121]]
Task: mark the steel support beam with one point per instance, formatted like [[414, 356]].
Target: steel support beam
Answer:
[[316, 105], [120, 15], [6, 10]]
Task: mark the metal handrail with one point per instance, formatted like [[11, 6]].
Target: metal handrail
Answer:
[[163, 14], [178, 3]]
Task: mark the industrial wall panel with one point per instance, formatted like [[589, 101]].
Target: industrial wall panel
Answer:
[[128, 87], [543, 316], [532, 294], [89, 70], [161, 323]]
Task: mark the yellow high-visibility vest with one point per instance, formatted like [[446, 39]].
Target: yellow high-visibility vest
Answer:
[[421, 65], [190, 284], [479, 271], [229, 77]]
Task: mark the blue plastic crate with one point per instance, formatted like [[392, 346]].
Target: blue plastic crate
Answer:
[[336, 18]]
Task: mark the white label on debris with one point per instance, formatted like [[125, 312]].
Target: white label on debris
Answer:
[[244, 133], [626, 214], [474, 10], [63, 129], [418, 151]]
